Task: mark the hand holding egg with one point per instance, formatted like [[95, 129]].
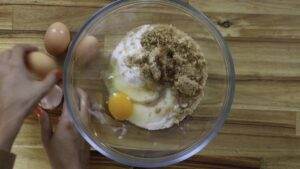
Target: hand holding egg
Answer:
[[40, 64], [57, 39]]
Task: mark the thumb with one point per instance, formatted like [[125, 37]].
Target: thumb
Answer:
[[46, 127], [49, 81], [84, 105]]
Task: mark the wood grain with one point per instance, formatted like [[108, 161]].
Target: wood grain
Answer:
[[6, 14], [9, 39], [200, 162], [249, 26], [30, 158], [40, 17], [253, 60], [277, 7], [290, 7], [97, 161], [263, 128], [281, 162], [272, 118], [298, 123]]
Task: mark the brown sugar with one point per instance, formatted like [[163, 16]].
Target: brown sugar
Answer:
[[173, 58]]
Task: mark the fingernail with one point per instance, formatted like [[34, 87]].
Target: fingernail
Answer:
[[58, 74]]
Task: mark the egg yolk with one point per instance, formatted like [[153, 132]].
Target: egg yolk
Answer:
[[120, 106]]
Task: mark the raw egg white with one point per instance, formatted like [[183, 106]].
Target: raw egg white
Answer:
[[87, 50], [138, 93], [57, 39], [40, 64], [154, 117]]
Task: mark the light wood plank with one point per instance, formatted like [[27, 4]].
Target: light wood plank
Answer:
[[260, 125], [9, 39], [274, 151], [36, 158], [266, 60], [251, 26], [267, 95], [253, 94], [203, 162], [41, 17], [236, 124], [6, 15], [32, 158], [253, 60], [256, 26], [288, 7], [253, 146]]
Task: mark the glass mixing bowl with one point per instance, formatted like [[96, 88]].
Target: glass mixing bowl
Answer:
[[122, 141]]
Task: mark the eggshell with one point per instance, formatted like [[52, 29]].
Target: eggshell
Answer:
[[87, 49], [57, 39], [40, 63], [52, 99]]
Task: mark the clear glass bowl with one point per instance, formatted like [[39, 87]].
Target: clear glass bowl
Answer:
[[124, 142]]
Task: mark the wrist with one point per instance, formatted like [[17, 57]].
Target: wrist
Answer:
[[5, 147], [5, 143], [8, 132]]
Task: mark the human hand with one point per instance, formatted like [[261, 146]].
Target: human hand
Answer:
[[19, 92], [65, 147]]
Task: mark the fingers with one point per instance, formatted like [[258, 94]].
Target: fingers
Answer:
[[65, 122], [66, 119], [46, 127], [84, 106], [5, 56], [65, 114], [46, 85], [19, 52]]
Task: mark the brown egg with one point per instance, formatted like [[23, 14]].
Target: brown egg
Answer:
[[87, 49], [57, 39], [40, 64]]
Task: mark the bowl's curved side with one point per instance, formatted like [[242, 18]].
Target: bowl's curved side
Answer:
[[171, 159]]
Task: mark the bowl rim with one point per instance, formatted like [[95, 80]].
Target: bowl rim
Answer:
[[194, 148]]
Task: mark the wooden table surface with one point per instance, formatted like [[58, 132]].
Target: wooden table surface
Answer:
[[263, 130]]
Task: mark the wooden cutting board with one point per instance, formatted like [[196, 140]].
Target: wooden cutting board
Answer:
[[263, 130]]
